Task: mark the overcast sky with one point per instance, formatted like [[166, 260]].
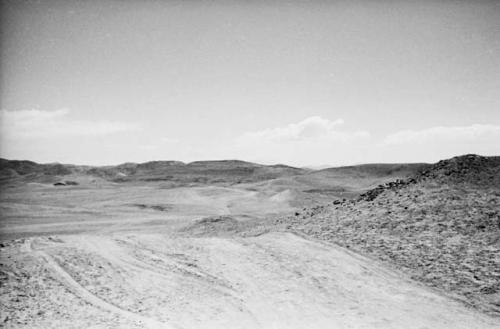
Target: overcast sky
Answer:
[[298, 82]]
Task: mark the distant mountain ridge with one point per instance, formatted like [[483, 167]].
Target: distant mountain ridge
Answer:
[[25, 167], [217, 171], [382, 169], [165, 170], [472, 168]]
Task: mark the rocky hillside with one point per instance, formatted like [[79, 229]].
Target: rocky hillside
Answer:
[[442, 226], [468, 170]]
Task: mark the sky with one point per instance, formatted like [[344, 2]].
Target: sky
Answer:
[[304, 83]]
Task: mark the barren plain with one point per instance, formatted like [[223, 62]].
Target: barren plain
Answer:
[[230, 244]]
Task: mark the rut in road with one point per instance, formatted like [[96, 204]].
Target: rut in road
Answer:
[[86, 295]]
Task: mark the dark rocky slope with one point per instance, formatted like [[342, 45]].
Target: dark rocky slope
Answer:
[[442, 226]]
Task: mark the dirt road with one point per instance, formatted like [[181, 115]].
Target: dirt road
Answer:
[[276, 280]]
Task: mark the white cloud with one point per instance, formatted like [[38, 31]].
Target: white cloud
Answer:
[[437, 143], [31, 124], [311, 129], [477, 133], [312, 140]]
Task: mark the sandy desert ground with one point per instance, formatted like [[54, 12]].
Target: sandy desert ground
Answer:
[[145, 255]]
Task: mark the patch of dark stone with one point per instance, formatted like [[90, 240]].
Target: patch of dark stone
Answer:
[[373, 193], [66, 183], [155, 207]]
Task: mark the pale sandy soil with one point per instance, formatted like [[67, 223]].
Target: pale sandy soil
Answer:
[[276, 280], [127, 267]]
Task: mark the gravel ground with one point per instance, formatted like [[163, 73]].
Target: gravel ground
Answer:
[[442, 227]]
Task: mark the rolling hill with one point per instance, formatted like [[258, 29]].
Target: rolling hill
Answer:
[[346, 182], [442, 226]]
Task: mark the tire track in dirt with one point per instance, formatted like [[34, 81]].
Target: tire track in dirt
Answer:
[[119, 255], [88, 296]]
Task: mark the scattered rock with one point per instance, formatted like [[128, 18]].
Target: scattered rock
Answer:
[[442, 226]]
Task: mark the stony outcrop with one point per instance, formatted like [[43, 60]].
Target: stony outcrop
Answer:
[[441, 226]]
